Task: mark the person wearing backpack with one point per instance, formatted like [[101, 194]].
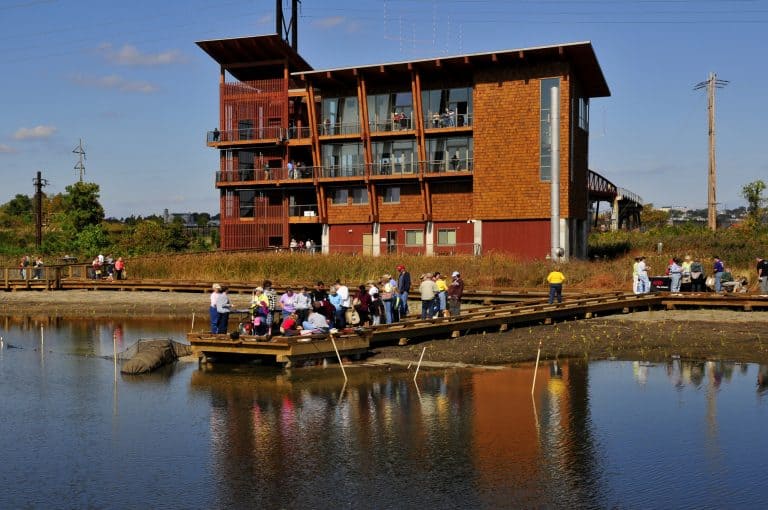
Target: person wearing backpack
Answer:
[[698, 278]]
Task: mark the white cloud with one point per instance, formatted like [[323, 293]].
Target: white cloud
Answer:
[[6, 149], [36, 132], [329, 22], [129, 55], [267, 18], [114, 81]]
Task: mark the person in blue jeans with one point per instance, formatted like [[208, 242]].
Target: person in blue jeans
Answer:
[[718, 269]]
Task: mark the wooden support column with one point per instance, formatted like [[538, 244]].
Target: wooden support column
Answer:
[[418, 115], [365, 131]]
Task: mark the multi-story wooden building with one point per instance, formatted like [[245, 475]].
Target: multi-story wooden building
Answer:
[[434, 156]]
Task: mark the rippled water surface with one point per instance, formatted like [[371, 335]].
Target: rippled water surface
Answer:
[[600, 434]]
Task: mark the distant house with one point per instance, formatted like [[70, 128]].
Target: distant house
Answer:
[[434, 156]]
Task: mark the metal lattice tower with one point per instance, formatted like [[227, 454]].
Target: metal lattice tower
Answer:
[[80, 166]]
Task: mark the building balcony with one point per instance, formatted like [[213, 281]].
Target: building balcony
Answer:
[[448, 121], [339, 129], [396, 124], [381, 170], [248, 136]]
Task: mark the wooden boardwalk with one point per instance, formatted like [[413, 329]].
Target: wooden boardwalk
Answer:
[[491, 318]]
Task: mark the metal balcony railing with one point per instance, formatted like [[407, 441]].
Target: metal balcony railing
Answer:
[[447, 120], [394, 124], [339, 128], [256, 133], [391, 168]]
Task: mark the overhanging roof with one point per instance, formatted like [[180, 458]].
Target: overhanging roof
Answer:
[[580, 54], [243, 56]]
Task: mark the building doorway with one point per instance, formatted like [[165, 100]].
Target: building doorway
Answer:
[[391, 241]]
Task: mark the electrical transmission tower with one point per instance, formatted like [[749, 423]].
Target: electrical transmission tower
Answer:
[[711, 84], [39, 182], [289, 30], [80, 166]]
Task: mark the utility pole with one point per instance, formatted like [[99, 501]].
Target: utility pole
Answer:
[[711, 84], [39, 182], [80, 166]]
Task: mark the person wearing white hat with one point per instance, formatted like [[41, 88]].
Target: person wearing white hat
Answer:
[[214, 314], [455, 291]]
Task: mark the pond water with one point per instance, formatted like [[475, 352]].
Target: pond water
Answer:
[[594, 434]]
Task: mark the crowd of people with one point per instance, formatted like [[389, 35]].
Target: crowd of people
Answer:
[[689, 274], [338, 307], [107, 268]]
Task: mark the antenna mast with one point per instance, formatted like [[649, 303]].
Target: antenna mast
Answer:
[[80, 166]]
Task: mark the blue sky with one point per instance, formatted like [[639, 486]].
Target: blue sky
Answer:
[[127, 78]]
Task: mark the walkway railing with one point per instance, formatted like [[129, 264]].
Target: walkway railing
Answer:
[[391, 168]]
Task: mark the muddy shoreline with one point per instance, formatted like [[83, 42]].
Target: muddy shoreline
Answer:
[[653, 336]]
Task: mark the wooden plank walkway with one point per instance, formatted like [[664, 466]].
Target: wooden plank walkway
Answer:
[[286, 350]]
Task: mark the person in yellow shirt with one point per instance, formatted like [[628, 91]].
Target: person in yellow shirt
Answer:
[[442, 294], [555, 279]]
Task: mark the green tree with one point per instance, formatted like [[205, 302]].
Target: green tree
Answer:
[[82, 205], [19, 207], [91, 239], [753, 194], [653, 218]]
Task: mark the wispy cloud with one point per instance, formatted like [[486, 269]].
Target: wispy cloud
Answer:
[[37, 132], [7, 149], [129, 55], [329, 21], [338, 22], [114, 81], [263, 20]]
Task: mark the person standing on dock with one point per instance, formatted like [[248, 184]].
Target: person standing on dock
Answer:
[[555, 279], [762, 274], [455, 292], [428, 290], [404, 288], [216, 290], [223, 307], [718, 269]]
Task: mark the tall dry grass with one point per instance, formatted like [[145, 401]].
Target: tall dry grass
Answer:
[[492, 270]]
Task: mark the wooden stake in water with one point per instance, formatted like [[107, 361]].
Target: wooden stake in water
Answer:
[[338, 356], [536, 368], [193, 322], [419, 365], [114, 353]]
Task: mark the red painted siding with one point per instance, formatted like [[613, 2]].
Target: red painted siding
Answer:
[[528, 239]]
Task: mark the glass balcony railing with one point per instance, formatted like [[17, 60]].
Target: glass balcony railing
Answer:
[[304, 210]]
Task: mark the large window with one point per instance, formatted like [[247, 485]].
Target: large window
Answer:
[[340, 196], [414, 237], [246, 198], [447, 107], [545, 143], [395, 157], [392, 195], [343, 160], [391, 111], [446, 236], [359, 196], [340, 116], [450, 154]]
